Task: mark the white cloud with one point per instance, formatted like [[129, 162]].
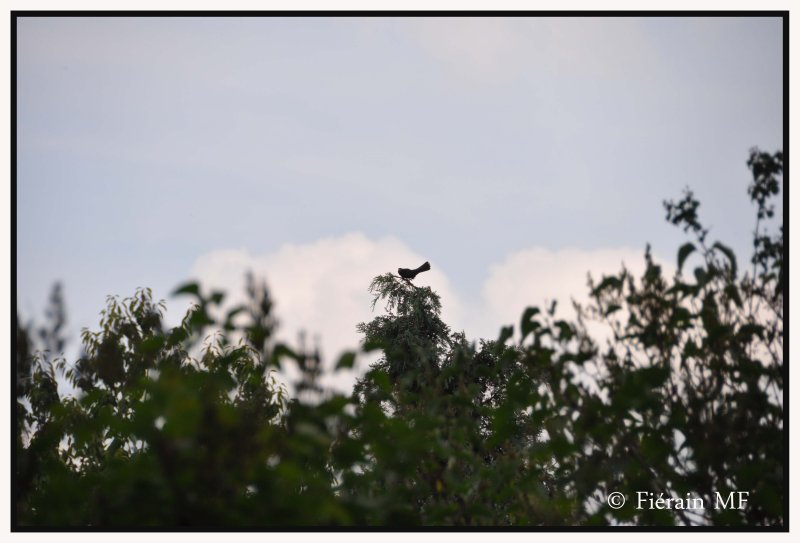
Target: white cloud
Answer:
[[321, 287], [538, 276]]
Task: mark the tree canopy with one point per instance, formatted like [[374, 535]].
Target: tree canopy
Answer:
[[189, 426]]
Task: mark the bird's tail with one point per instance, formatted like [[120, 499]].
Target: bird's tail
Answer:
[[424, 267]]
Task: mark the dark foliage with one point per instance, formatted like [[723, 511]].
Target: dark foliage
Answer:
[[683, 398]]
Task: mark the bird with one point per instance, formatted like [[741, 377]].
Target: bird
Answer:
[[405, 273]]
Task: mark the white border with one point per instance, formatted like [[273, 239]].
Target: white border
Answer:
[[160, 5]]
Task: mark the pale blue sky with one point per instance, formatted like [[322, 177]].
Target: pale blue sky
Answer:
[[146, 143]]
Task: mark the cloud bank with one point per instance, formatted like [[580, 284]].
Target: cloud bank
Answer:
[[320, 288]]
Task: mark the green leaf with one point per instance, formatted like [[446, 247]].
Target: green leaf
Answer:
[[681, 317], [747, 331], [733, 294], [729, 254], [691, 350], [374, 344], [527, 325], [188, 288], [177, 335], [281, 351], [683, 253], [505, 333], [346, 360], [654, 376], [607, 283], [701, 276], [151, 344], [228, 325], [565, 331], [381, 379], [217, 296], [200, 318], [235, 311]]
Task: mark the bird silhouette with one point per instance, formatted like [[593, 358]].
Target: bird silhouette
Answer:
[[405, 273]]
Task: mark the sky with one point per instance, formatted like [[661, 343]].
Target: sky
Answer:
[[513, 154]]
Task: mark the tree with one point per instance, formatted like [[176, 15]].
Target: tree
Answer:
[[189, 425], [461, 441], [687, 398], [158, 436]]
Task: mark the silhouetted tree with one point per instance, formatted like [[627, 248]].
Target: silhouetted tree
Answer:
[[189, 425]]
